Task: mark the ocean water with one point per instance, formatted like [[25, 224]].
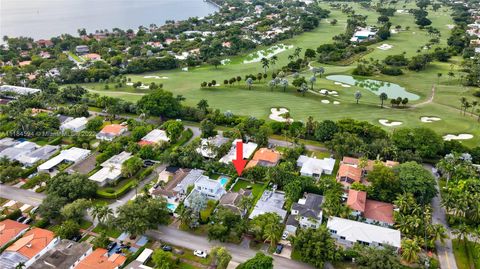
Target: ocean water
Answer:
[[48, 18]]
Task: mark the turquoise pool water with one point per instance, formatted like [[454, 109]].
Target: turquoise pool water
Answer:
[[171, 207], [376, 86], [223, 181]]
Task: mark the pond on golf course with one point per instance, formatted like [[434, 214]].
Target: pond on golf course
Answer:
[[376, 86]]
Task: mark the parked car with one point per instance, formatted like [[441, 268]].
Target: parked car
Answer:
[[27, 221], [200, 253], [21, 219], [285, 235], [167, 248], [279, 249]]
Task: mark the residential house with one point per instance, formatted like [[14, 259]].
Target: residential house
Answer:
[[173, 176], [40, 154], [92, 57], [208, 146], [208, 188], [231, 200], [139, 262], [75, 124], [155, 136], [265, 157], [111, 131], [313, 167], [18, 90], [71, 155], [65, 255], [7, 142], [111, 169], [28, 248], [348, 174], [82, 49], [348, 232], [189, 180], [10, 230], [270, 202], [100, 259], [12, 153], [374, 212], [306, 213], [45, 43], [248, 149]]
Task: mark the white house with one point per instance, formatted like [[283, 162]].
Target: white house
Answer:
[[348, 232], [208, 188], [207, 145], [272, 202], [313, 167], [18, 90], [306, 213], [75, 125], [39, 154], [248, 149], [13, 153], [111, 169], [154, 137], [71, 155]]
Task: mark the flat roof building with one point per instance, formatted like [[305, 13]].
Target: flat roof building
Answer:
[[71, 155], [111, 169], [65, 255], [154, 137], [75, 125]]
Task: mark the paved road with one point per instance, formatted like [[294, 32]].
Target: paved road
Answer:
[[444, 251], [21, 195], [239, 254]]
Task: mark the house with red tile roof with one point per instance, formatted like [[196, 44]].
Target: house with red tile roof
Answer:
[[265, 157], [45, 43], [10, 230], [31, 246], [348, 174], [92, 56], [99, 259], [111, 131], [373, 212]]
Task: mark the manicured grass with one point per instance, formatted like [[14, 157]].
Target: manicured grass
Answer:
[[466, 257], [260, 99], [318, 154], [85, 224], [109, 231], [257, 189]]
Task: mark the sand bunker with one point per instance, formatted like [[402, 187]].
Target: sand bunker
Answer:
[[277, 114], [449, 137], [429, 119], [389, 123], [325, 91], [450, 26], [385, 46], [336, 102], [144, 87], [267, 53], [225, 61], [155, 77], [129, 83], [326, 101]]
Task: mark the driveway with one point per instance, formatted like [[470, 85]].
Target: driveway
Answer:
[[444, 251], [239, 253]]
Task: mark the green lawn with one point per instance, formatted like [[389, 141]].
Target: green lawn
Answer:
[[85, 224], [257, 189], [260, 99], [463, 259], [109, 231]]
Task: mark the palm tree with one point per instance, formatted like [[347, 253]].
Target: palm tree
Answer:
[[463, 100], [272, 233], [274, 60], [284, 84], [439, 75], [296, 53], [410, 250], [462, 232], [437, 232], [474, 104], [265, 64], [272, 84], [451, 74], [246, 203], [249, 83], [358, 96], [383, 97], [312, 80], [303, 89], [20, 265]]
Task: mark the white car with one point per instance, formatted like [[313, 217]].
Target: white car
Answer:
[[285, 235], [200, 253]]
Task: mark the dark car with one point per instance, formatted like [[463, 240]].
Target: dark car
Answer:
[[76, 238], [279, 249], [167, 248], [111, 245], [21, 219]]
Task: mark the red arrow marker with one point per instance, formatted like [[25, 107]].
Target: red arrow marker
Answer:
[[239, 163]]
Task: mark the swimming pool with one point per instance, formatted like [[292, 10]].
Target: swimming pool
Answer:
[[223, 181], [171, 207]]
